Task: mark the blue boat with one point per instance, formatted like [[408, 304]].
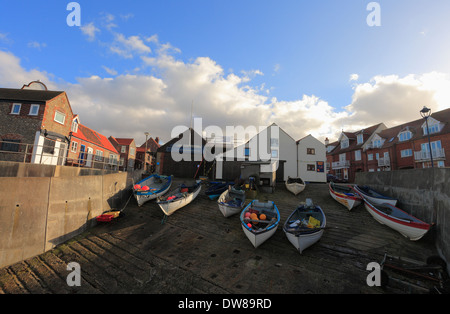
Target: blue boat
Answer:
[[217, 188], [151, 187]]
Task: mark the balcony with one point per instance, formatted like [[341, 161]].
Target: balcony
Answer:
[[340, 164], [425, 155], [384, 162]]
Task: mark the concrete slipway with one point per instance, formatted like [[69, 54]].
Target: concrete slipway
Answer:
[[199, 251]]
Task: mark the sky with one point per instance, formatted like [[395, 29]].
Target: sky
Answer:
[[311, 67]]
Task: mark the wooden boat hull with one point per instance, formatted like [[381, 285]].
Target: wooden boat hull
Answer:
[[144, 196], [348, 201], [303, 239], [169, 207], [295, 188], [409, 226], [230, 209], [375, 197], [258, 237]]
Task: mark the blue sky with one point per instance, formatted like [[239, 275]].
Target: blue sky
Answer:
[[288, 57]]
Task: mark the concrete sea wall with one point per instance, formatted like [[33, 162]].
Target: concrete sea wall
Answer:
[[424, 193], [41, 211]]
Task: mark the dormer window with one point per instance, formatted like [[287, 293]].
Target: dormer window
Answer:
[[434, 126], [376, 143], [360, 138], [16, 108], [344, 143], [404, 136], [74, 127]]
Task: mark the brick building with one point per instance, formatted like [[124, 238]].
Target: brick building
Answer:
[[126, 147], [152, 146], [34, 124], [90, 149], [404, 146]]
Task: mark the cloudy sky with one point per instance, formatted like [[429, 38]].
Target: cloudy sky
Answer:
[[312, 67]]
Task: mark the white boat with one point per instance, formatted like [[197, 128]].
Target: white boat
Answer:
[[399, 220], [373, 196], [295, 185], [151, 188], [305, 226], [262, 222], [231, 202], [178, 198], [345, 195]]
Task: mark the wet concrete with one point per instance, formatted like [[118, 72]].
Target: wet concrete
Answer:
[[197, 250]]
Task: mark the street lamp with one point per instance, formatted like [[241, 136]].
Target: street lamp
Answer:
[[145, 153], [426, 113]]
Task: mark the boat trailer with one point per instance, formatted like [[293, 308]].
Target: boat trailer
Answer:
[[433, 272]]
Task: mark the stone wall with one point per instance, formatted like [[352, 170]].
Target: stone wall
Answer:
[[424, 193]]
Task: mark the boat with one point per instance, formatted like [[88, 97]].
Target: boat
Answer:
[[295, 185], [373, 196], [345, 195], [399, 220], [151, 188], [217, 188], [305, 226], [178, 198], [231, 201], [259, 221]]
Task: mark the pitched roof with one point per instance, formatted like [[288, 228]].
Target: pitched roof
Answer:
[[353, 143], [11, 94], [86, 134], [124, 141], [152, 145]]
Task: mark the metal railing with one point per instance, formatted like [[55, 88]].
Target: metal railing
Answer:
[[53, 152], [340, 164], [425, 155]]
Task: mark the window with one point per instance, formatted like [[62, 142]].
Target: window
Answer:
[[9, 145], [99, 155], [247, 152], [34, 110], [132, 151], [73, 147], [440, 164], [74, 127], [311, 151], [60, 117], [406, 153], [113, 159], [376, 143], [274, 153], [370, 157], [360, 138], [273, 142], [123, 149], [431, 128], [16, 108], [311, 167], [377, 156], [357, 155], [404, 136], [49, 146], [344, 143]]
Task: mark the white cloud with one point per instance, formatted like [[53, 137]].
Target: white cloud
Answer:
[[126, 47], [90, 30], [354, 77], [160, 97], [36, 45]]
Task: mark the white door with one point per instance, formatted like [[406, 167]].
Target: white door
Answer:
[[90, 154]]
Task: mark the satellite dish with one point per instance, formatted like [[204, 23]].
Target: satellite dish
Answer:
[[36, 85]]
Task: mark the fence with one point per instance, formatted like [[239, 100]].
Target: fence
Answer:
[[53, 152]]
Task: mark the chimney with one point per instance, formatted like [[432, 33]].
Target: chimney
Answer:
[[157, 140], [327, 141]]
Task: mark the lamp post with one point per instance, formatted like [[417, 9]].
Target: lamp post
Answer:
[[426, 113], [145, 153]]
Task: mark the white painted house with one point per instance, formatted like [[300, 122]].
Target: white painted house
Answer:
[[275, 145], [311, 160]]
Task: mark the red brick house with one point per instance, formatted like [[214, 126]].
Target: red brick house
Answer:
[[152, 146], [34, 124], [90, 149], [345, 156], [401, 147], [126, 147]]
